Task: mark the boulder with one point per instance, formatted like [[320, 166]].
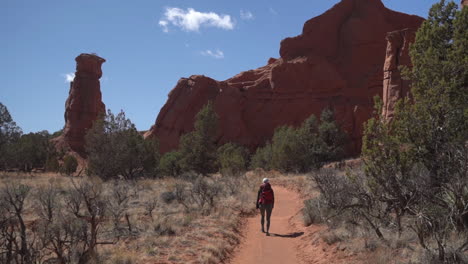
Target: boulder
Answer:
[[84, 103], [336, 62]]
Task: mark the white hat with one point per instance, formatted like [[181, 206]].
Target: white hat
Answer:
[[265, 180]]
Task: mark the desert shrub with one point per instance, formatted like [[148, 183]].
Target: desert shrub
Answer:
[[87, 203], [165, 227], [205, 194], [168, 197], [15, 240], [312, 212], [304, 148], [150, 205], [262, 157], [115, 148], [70, 164], [454, 256], [169, 164], [58, 232], [232, 185], [181, 192], [232, 159], [118, 199], [345, 199], [331, 238]]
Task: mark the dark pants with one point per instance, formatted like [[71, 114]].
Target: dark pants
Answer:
[[268, 208]]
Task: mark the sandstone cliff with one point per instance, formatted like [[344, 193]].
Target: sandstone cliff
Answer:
[[336, 62], [84, 103], [394, 86]]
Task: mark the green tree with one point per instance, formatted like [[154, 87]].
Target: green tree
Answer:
[[312, 146], [169, 163], [304, 148], [70, 164], [262, 157], [332, 135], [52, 164], [115, 148], [198, 148], [9, 131], [233, 159], [31, 150], [9, 134], [285, 149], [417, 164]]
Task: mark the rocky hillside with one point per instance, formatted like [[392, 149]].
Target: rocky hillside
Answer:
[[336, 62]]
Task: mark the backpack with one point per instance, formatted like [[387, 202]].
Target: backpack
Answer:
[[266, 197]]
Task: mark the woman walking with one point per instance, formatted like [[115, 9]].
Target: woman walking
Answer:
[[266, 203]]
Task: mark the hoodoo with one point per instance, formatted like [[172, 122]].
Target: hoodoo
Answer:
[[336, 62], [394, 86], [84, 103]]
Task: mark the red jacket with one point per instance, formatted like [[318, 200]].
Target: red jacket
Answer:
[[266, 187]]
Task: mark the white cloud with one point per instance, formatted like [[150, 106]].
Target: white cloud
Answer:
[[69, 76], [272, 11], [246, 15], [217, 54], [163, 24], [192, 20]]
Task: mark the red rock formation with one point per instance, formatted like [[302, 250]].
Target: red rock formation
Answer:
[[84, 103], [394, 87], [336, 62], [464, 3]]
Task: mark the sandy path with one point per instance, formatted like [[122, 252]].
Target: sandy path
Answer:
[[281, 245]]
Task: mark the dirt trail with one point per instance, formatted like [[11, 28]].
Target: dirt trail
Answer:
[[281, 245]]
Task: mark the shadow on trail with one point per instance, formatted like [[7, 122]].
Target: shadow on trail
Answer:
[[290, 235]]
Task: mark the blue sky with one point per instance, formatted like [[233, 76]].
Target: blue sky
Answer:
[[148, 45]]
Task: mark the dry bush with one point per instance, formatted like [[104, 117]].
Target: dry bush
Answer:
[[118, 257], [331, 238], [118, 199], [381, 257], [423, 221], [85, 220], [14, 240], [312, 212]]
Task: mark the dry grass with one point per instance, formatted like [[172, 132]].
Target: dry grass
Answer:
[[171, 233], [356, 240]]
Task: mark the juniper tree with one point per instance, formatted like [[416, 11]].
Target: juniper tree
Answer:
[[417, 164], [198, 148]]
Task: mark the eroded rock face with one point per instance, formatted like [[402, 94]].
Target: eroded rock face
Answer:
[[394, 86], [464, 3], [84, 103], [336, 62]]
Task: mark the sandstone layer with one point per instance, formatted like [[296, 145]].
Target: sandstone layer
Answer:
[[336, 62], [84, 103]]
